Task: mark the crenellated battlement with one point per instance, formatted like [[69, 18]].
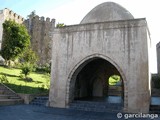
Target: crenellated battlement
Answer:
[[40, 28], [9, 14], [41, 19]]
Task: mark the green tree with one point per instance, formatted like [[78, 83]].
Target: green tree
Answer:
[[26, 69], [15, 40], [32, 14], [60, 25], [29, 56]]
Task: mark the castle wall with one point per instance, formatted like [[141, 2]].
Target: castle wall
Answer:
[[39, 29], [7, 14], [1, 27], [158, 57]]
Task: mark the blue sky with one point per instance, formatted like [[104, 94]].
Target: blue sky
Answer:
[[25, 7], [72, 12]]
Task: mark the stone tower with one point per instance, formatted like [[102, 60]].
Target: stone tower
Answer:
[[39, 29], [7, 14]]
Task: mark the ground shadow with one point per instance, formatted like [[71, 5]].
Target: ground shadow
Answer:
[[27, 89], [29, 81], [9, 75]]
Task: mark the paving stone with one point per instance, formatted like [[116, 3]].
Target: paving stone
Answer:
[[30, 112]]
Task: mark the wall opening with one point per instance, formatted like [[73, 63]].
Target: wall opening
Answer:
[[93, 81]]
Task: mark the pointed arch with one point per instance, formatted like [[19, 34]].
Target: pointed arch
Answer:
[[80, 65]]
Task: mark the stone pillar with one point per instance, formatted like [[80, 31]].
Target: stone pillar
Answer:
[[158, 57]]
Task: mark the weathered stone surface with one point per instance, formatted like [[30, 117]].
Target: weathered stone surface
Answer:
[[158, 57], [2, 61], [107, 11], [7, 14], [122, 43], [39, 29], [116, 38]]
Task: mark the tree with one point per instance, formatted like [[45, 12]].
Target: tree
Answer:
[[32, 14], [29, 56], [15, 40], [26, 69], [60, 25]]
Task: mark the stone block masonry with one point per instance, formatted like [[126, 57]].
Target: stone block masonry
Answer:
[[121, 42], [7, 14], [40, 30]]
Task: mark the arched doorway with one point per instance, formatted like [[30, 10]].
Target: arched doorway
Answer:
[[90, 82]]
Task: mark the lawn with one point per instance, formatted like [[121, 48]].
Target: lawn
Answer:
[[40, 81], [114, 79]]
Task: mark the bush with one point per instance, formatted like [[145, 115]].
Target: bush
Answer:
[[3, 79], [15, 40], [44, 68], [28, 56], [26, 69]]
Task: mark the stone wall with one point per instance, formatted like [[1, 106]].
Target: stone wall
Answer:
[[122, 43], [158, 57], [7, 14], [39, 29]]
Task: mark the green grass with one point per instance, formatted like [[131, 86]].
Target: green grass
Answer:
[[40, 81], [114, 79]]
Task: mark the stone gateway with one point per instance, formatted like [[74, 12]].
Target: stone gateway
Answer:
[[108, 41]]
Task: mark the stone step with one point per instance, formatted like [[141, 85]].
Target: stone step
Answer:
[[155, 109], [40, 101], [8, 96], [10, 101], [14, 97], [39, 104], [2, 86], [42, 98], [114, 94], [96, 106], [4, 96], [95, 102], [5, 92]]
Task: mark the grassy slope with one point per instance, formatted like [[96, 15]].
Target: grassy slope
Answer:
[[113, 81], [40, 81]]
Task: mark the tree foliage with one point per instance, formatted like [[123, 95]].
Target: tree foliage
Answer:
[[29, 56], [15, 40], [26, 69], [60, 25], [32, 14]]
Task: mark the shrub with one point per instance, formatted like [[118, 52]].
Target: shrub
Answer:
[[28, 56], [15, 40], [26, 69], [44, 68], [3, 79]]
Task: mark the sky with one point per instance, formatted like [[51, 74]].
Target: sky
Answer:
[[72, 12]]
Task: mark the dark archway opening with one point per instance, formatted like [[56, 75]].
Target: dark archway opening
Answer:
[[92, 83]]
